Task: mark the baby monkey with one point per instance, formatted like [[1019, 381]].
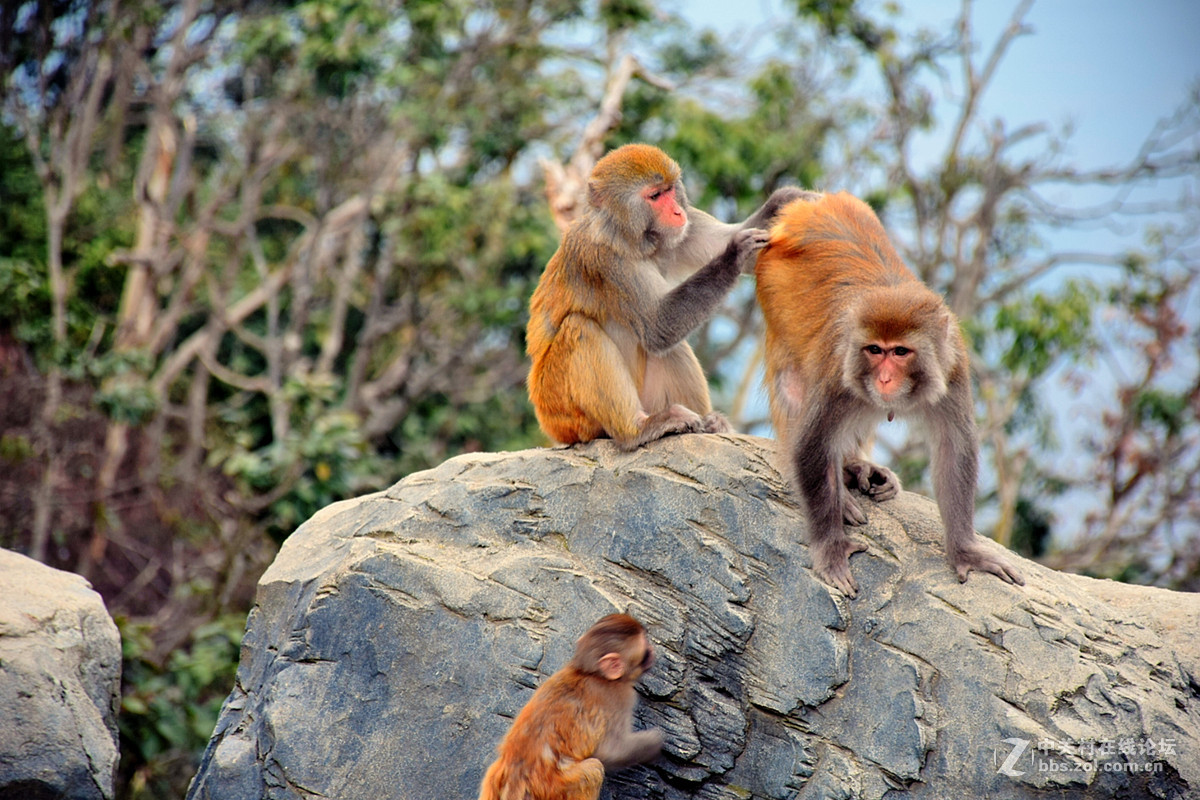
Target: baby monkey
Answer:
[[579, 723]]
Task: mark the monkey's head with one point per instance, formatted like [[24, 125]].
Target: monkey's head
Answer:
[[901, 347], [616, 648], [639, 190]]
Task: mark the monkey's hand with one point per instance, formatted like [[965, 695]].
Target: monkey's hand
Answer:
[[876, 482], [831, 560], [974, 557], [715, 422], [637, 747], [778, 199], [747, 242]]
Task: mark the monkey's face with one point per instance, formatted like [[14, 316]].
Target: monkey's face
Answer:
[[668, 219], [641, 658], [890, 365]]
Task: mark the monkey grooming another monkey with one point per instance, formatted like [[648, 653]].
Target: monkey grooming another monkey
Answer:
[[607, 321], [852, 337], [578, 723]]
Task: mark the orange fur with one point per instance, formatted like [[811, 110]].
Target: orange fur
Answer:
[[576, 717], [852, 337], [834, 254], [589, 367]]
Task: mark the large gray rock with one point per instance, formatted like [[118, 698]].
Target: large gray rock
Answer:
[[60, 680], [395, 637]]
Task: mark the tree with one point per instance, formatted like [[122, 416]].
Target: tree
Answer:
[[977, 222], [319, 282]]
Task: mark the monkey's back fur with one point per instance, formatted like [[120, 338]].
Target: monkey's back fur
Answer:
[[833, 253]]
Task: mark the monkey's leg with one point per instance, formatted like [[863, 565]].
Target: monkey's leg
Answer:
[[553, 385], [877, 482], [676, 419], [852, 513], [676, 378], [818, 476], [580, 780], [955, 465], [605, 391], [975, 557]]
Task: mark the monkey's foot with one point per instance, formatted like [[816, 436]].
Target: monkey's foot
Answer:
[[676, 419], [875, 481], [715, 422], [581, 778], [978, 559], [831, 560]]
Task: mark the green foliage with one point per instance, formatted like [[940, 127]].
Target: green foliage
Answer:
[[438, 429], [23, 223], [15, 448], [100, 225], [1036, 331], [131, 402], [693, 53], [841, 18], [619, 14], [323, 458], [169, 707], [1156, 408], [735, 157]]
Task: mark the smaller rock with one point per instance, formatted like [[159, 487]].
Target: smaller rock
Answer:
[[60, 680]]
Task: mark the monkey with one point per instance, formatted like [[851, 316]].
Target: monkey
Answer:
[[609, 315], [579, 722], [853, 337]]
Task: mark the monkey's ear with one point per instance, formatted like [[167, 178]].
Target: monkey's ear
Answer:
[[593, 194], [612, 666]]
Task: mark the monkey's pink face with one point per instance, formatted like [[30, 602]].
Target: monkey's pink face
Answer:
[[890, 364], [665, 206]]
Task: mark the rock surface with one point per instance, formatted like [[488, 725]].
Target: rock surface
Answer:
[[396, 635], [60, 681]]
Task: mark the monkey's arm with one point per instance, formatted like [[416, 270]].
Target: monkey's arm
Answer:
[[635, 747], [955, 470], [765, 215], [694, 300], [817, 473]]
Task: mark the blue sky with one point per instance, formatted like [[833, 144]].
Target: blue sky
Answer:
[[1111, 67]]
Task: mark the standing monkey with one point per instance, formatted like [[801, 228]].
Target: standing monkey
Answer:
[[853, 337], [607, 322], [578, 723]]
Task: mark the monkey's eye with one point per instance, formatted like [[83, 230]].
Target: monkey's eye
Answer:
[[654, 195], [901, 351], [874, 349]]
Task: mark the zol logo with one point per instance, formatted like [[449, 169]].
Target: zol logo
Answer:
[[1018, 749]]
